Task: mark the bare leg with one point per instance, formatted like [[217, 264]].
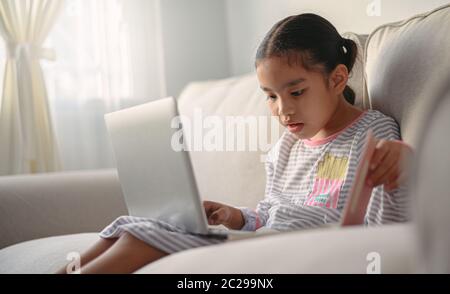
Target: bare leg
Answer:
[[127, 255], [98, 248]]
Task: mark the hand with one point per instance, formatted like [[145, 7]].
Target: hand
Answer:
[[389, 164], [218, 213]]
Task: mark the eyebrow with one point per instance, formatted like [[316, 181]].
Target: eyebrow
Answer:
[[289, 84]]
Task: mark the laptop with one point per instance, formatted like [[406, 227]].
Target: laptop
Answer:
[[157, 179]]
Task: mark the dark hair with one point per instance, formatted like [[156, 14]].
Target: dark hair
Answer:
[[313, 40]]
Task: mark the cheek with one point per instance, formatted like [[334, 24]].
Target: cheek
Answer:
[[273, 107], [323, 101]]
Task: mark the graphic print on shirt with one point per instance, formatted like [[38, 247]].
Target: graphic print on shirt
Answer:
[[328, 181]]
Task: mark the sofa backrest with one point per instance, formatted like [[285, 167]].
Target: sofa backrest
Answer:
[[407, 77], [407, 65], [233, 177], [430, 188]]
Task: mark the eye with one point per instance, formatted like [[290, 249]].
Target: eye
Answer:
[[298, 93], [272, 97]]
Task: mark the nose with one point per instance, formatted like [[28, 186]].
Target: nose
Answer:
[[285, 107]]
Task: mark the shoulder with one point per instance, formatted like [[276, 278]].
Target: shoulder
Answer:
[[383, 126], [375, 118]]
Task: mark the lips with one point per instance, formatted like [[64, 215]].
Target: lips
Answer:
[[295, 127]]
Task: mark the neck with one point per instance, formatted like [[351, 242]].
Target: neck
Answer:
[[343, 114]]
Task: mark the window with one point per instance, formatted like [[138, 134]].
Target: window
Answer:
[[108, 58]]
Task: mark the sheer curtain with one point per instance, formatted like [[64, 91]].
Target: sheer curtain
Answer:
[[109, 57], [27, 141]]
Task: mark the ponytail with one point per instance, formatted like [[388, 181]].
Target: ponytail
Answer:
[[349, 52]]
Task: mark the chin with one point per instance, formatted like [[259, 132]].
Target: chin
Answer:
[[304, 134], [301, 135]]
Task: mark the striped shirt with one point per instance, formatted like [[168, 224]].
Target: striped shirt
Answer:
[[308, 181]]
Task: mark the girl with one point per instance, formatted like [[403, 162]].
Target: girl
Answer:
[[303, 65]]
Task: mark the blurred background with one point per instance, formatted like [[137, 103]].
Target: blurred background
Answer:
[[98, 56]]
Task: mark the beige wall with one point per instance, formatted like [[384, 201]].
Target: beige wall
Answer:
[[249, 20]]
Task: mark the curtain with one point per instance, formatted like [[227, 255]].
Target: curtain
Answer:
[[109, 58], [27, 140]]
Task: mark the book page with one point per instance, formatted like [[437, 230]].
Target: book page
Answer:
[[360, 193]]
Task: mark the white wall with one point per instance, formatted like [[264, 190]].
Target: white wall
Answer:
[[249, 20], [195, 42]]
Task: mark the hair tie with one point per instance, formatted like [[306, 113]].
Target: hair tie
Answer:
[[343, 43]]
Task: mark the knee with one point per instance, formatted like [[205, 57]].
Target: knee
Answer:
[[130, 241], [125, 236]]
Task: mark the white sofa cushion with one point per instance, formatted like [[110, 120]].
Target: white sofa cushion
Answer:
[[407, 66], [326, 250], [45, 255]]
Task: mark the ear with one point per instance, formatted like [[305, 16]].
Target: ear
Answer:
[[338, 79]]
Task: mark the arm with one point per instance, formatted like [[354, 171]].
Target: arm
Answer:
[[389, 202], [390, 163]]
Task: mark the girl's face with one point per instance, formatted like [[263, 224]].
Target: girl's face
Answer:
[[300, 99]]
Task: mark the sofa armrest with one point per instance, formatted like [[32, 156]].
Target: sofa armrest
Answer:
[[42, 205], [390, 249]]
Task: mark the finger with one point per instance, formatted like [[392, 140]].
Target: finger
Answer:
[[212, 219], [391, 172], [220, 216], [211, 203], [209, 207], [381, 170], [206, 203], [380, 152], [215, 218]]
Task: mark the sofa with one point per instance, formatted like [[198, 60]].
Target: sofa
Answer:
[[402, 70]]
